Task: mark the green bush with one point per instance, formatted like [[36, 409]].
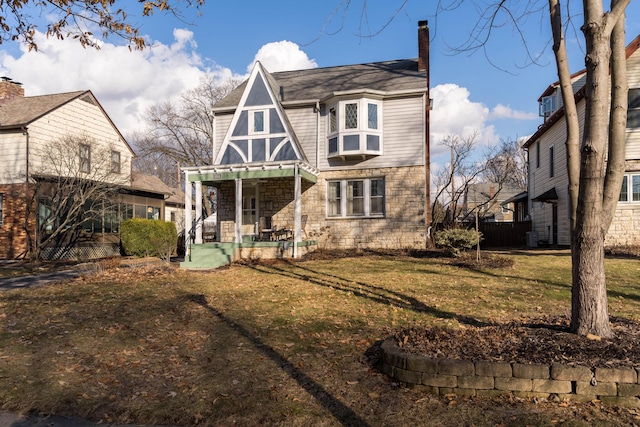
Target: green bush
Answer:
[[455, 240], [148, 237]]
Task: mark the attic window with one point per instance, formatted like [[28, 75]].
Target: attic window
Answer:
[[633, 113], [88, 99]]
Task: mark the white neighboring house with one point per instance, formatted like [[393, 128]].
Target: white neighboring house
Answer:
[[548, 180], [29, 125]]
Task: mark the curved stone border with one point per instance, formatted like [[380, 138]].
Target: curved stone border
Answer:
[[612, 386]]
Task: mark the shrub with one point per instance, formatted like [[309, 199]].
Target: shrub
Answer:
[[455, 240], [148, 237]]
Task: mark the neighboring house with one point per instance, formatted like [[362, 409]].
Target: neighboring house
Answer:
[[336, 156], [548, 181], [490, 200], [30, 128]]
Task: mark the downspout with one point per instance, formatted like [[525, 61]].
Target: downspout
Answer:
[[25, 132], [213, 138], [317, 134]]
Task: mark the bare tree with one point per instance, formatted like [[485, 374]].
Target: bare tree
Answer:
[[75, 18], [74, 183], [507, 164]]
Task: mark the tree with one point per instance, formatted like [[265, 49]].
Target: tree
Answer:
[[73, 186], [75, 18], [507, 164]]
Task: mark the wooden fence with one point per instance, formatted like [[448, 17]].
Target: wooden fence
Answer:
[[503, 234]]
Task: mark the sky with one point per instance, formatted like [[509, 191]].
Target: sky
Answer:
[[491, 91]]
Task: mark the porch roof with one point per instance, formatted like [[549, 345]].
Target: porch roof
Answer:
[[251, 171]]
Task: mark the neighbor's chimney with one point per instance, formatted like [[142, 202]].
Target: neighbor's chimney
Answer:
[[423, 45], [10, 89]]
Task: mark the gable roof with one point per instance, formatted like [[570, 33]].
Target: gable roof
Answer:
[[149, 183], [21, 111], [317, 84], [579, 95]]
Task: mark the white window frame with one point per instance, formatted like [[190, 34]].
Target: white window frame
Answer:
[[345, 199], [338, 110], [548, 104], [265, 116], [635, 110], [628, 180]]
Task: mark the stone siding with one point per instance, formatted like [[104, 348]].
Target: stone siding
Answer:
[[402, 227], [625, 227]]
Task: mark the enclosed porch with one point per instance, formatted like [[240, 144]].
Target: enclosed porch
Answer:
[[259, 212]]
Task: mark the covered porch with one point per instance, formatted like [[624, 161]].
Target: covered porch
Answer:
[[259, 212]]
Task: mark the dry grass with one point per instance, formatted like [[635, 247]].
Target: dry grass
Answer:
[[274, 343]]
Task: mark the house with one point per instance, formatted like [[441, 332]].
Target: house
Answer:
[[332, 157], [548, 181], [65, 137], [490, 199]]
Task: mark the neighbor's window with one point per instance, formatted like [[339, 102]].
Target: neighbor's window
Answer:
[[85, 158], [633, 113], [630, 191], [115, 162], [363, 198], [551, 171]]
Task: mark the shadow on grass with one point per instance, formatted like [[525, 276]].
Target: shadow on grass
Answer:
[[364, 290], [345, 415]]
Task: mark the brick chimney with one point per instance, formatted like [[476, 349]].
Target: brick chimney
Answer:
[[10, 90], [423, 45]]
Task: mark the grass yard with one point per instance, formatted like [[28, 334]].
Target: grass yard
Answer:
[[276, 343]]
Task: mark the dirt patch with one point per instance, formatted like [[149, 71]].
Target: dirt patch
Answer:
[[541, 341]]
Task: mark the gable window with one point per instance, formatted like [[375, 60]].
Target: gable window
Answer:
[[547, 106], [115, 162], [257, 122], [85, 158], [354, 129], [633, 113], [630, 191], [1, 208], [362, 198], [551, 171]]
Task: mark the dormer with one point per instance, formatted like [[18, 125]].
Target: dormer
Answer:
[[354, 126], [547, 105]]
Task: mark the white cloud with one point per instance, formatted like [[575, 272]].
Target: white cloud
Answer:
[[505, 112], [455, 114], [125, 82], [282, 56]]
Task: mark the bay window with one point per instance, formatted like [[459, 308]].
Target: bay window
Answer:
[[354, 129]]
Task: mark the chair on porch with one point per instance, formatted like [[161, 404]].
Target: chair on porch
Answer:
[[266, 229]]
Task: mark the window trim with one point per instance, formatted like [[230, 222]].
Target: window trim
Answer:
[[343, 199], [628, 179], [265, 121], [116, 165]]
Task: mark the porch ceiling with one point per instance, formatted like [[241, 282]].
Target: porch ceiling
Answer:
[[211, 174]]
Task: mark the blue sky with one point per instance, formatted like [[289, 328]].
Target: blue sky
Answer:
[[494, 94]]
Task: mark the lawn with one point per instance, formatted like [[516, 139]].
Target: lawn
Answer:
[[279, 343]]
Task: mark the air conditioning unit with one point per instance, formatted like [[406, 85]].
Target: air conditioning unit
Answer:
[[532, 239]]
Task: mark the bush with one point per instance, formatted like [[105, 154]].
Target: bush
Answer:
[[148, 237], [455, 240]]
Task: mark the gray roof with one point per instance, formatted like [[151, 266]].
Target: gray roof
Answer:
[[150, 183], [321, 83], [24, 110]]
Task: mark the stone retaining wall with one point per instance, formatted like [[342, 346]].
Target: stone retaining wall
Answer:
[[613, 386]]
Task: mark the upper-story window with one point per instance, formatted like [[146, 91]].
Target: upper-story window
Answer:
[[354, 129], [547, 105], [551, 162], [633, 113], [115, 162], [257, 122], [85, 158]]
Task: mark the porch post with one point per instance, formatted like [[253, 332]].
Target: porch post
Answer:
[[297, 212], [238, 228], [199, 218], [188, 217]]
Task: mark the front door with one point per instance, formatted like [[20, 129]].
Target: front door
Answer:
[[249, 210]]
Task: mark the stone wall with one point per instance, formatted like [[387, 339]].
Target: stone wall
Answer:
[[625, 227], [403, 225], [13, 241], [614, 386]]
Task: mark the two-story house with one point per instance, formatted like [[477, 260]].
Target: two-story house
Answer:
[[65, 135], [332, 157], [548, 180]]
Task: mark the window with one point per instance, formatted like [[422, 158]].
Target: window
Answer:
[[85, 158], [372, 115], [630, 191], [351, 116], [363, 198], [333, 120], [547, 106], [538, 154], [1, 208], [257, 122], [153, 212], [551, 171], [115, 162], [633, 113]]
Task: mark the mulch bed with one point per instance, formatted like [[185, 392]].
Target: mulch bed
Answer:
[[540, 341]]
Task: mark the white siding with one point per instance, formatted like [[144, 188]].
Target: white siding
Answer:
[[13, 158], [633, 136], [223, 121]]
